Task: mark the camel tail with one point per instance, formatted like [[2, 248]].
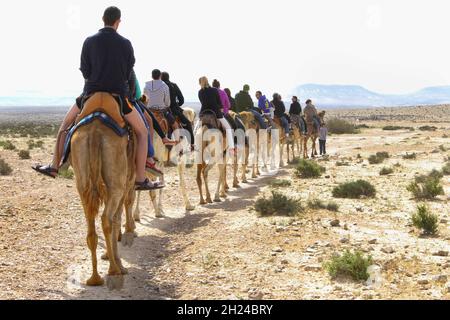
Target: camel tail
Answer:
[[93, 193]]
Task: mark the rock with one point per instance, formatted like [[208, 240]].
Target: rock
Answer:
[[313, 267], [285, 262], [359, 209], [440, 278], [277, 249], [255, 295], [335, 223], [447, 287], [345, 227], [444, 221], [344, 240], [280, 229], [388, 250], [441, 253], [423, 281], [373, 241]]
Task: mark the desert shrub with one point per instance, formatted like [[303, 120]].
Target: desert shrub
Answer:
[[316, 204], [342, 164], [410, 156], [442, 148], [424, 220], [354, 190], [362, 126], [349, 264], [278, 204], [35, 144], [427, 186], [395, 128], [383, 155], [30, 129], [446, 169], [340, 126], [24, 154], [8, 145], [375, 159], [5, 169], [280, 183], [309, 169], [386, 171], [428, 128]]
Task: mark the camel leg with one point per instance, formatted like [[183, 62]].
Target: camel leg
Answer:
[[130, 226], [221, 192], [115, 277], [205, 179], [226, 183], [281, 154], [137, 212], [244, 167], [116, 230], [187, 203], [199, 183], [92, 242], [235, 172]]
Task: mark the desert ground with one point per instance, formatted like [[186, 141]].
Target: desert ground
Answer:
[[225, 250]]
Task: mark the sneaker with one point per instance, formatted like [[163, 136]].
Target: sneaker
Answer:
[[147, 185]]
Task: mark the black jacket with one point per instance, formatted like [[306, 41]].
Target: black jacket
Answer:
[[210, 99], [296, 108], [176, 97], [107, 60], [280, 108]]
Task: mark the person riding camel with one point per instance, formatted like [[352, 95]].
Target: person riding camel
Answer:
[[210, 100], [107, 61], [265, 107], [244, 102], [280, 112], [176, 102], [231, 99], [296, 114], [311, 115], [226, 105]]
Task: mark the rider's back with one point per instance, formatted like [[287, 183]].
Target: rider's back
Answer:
[[107, 60]]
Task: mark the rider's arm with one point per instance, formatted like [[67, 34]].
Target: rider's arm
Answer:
[[85, 66], [179, 95]]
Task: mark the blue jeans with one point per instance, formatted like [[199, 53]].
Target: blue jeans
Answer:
[[259, 118], [285, 124], [151, 151]]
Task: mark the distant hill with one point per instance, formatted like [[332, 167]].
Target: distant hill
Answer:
[[357, 96]]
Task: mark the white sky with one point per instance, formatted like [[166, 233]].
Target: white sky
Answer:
[[387, 46]]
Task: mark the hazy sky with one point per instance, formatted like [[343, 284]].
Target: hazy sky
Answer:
[[387, 46]]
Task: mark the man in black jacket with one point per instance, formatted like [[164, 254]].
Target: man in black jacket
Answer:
[[176, 101], [107, 61]]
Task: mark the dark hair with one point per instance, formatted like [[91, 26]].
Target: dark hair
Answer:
[[227, 91], [259, 92], [165, 76], [216, 84], [111, 15], [295, 97], [156, 74], [276, 96], [308, 101]]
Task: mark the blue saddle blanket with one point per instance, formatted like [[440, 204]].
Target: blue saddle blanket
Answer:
[[104, 118]]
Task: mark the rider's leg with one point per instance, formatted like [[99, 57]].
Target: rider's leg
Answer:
[[260, 119], [69, 119], [136, 122], [187, 125], [285, 124], [171, 119]]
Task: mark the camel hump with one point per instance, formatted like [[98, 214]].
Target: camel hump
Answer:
[[103, 102]]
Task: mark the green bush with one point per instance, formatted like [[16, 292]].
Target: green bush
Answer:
[[446, 169], [424, 220], [8, 145], [395, 128], [410, 156], [428, 128], [349, 264], [340, 126], [354, 190], [427, 186], [5, 169], [309, 169], [386, 171], [280, 183], [24, 154], [278, 204]]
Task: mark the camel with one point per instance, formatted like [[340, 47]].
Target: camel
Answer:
[[283, 140], [162, 154], [104, 167], [209, 121], [296, 139], [251, 123], [312, 133]]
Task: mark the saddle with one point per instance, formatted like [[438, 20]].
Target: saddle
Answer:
[[102, 102], [164, 123], [209, 119]]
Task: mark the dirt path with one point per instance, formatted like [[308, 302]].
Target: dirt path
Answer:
[[224, 250]]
